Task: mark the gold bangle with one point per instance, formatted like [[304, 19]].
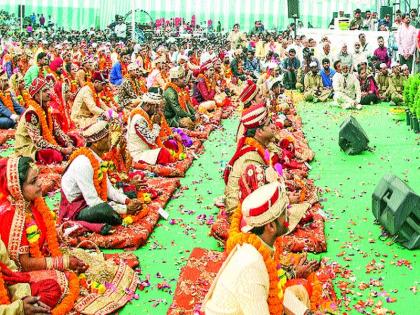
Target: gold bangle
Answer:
[[66, 261], [49, 263]]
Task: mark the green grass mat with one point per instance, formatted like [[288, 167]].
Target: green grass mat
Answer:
[[347, 181]]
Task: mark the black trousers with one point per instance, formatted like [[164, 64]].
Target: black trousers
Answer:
[[368, 99], [101, 213]]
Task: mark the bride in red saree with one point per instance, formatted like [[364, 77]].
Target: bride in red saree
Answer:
[[28, 231]]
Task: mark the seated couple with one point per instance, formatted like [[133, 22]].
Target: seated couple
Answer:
[[149, 138], [41, 276], [86, 188], [38, 134], [254, 279]]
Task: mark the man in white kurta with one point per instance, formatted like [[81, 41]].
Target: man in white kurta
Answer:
[[242, 284], [346, 89], [144, 130], [80, 199]]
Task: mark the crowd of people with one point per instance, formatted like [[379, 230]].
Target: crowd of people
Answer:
[[66, 94]]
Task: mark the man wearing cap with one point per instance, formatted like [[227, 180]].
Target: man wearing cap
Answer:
[[242, 284], [38, 135], [146, 138], [119, 69], [251, 94], [397, 84], [36, 70], [88, 106], [314, 89], [384, 83], [10, 109], [258, 133], [132, 87], [346, 87], [179, 111], [80, 198]]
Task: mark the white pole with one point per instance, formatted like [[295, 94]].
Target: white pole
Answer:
[[21, 17], [133, 25]]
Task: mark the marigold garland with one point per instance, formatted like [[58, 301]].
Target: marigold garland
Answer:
[[26, 97], [4, 293], [54, 249], [138, 86], [183, 95], [99, 183], [7, 101], [108, 98], [95, 95], [45, 120], [165, 130], [236, 237], [260, 149], [211, 85], [67, 303]]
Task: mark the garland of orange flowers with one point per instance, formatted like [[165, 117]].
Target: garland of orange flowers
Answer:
[[4, 293], [236, 237], [210, 85], [26, 96], [51, 236], [45, 120], [7, 101], [228, 72], [260, 149], [100, 184], [95, 95], [302, 185], [107, 97], [165, 130], [183, 95]]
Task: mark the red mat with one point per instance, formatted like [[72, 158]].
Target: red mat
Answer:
[[177, 169], [50, 177], [135, 235], [195, 280]]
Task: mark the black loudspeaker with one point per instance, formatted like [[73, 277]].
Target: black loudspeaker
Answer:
[[397, 209], [21, 11], [293, 9], [352, 138]]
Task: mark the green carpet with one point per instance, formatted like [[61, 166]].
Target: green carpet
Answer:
[[169, 246], [347, 181]]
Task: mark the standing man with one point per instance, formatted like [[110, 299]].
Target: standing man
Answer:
[[406, 41], [382, 52]]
